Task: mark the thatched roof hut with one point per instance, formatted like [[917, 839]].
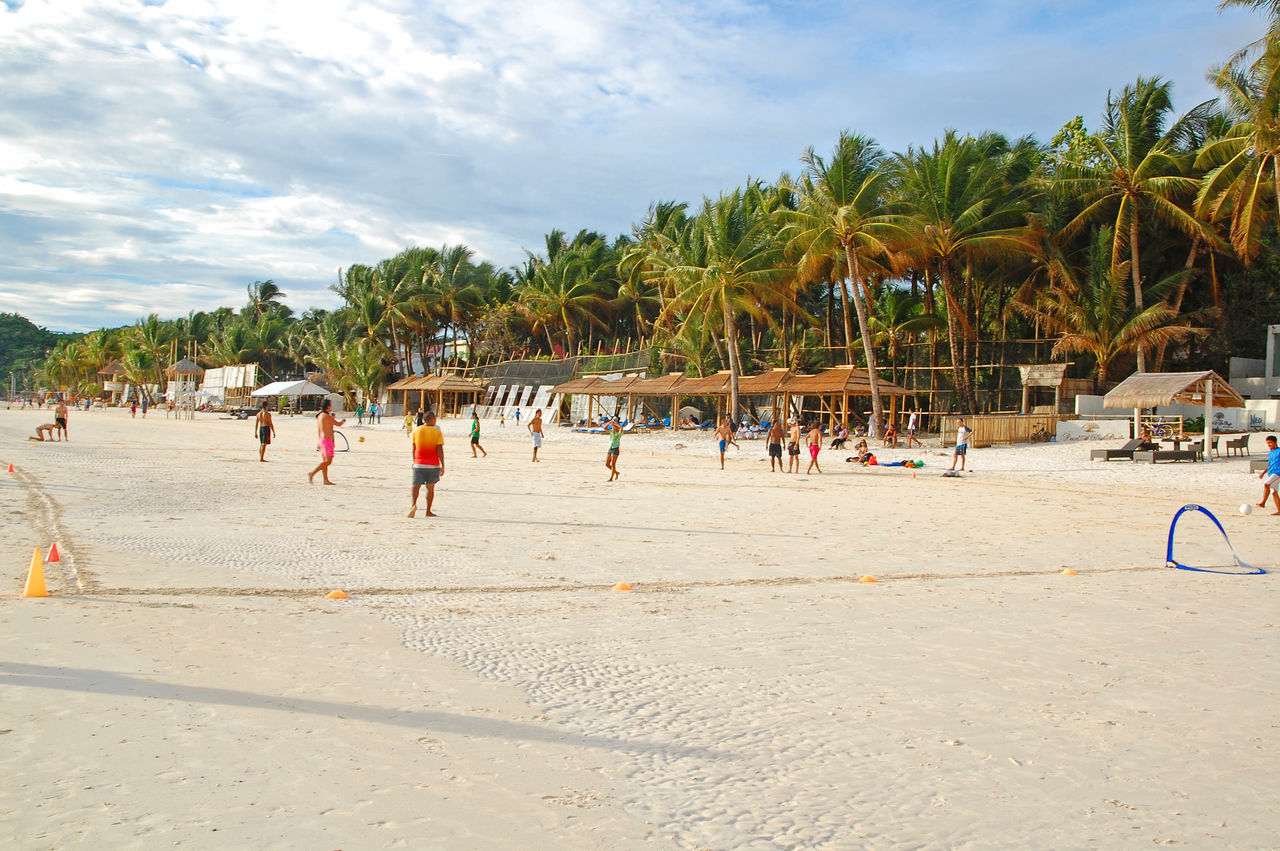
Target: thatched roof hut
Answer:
[[1152, 389]]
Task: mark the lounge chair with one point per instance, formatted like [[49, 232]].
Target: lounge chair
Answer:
[[1151, 456], [1124, 453]]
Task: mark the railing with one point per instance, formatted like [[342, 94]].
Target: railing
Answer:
[[997, 429]]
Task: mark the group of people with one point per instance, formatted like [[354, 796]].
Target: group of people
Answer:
[[55, 431]]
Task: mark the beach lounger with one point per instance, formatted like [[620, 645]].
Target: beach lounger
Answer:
[[1258, 466], [1151, 456], [1123, 453]]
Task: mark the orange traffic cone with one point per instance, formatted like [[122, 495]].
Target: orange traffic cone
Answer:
[[10, 468], [53, 553], [35, 578]]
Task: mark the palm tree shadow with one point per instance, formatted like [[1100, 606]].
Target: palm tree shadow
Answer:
[[92, 681]]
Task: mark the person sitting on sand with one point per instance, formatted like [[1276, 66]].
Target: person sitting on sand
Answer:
[[891, 436], [862, 454], [50, 428], [841, 436]]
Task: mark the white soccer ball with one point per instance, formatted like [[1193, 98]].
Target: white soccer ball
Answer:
[[1246, 509]]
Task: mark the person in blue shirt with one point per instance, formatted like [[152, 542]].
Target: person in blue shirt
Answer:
[[1271, 476]]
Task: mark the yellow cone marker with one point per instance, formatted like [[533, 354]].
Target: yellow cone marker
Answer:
[[622, 586], [337, 595], [1069, 572], [35, 578], [867, 579]]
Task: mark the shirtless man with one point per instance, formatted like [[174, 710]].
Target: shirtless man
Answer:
[[426, 444], [775, 446], [535, 430], [724, 434], [41, 430], [265, 429], [814, 439], [793, 448], [60, 417], [324, 428]]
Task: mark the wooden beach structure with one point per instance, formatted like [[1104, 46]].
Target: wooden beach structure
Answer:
[[1153, 389], [833, 388], [183, 378], [450, 394]]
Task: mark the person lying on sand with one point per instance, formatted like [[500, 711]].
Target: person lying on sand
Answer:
[[40, 432]]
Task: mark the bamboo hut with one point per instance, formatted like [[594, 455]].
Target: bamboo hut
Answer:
[[460, 392], [839, 384], [1152, 389]]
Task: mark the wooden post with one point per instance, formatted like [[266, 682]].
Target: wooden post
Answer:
[[1208, 418], [1026, 399]]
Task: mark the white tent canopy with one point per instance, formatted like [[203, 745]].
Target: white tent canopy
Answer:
[[290, 388]]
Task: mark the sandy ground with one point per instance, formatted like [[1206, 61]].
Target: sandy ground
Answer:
[[188, 684]]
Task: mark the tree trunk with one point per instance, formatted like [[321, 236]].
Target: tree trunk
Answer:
[[848, 325], [731, 343], [1137, 281], [964, 394], [1176, 302], [877, 404]]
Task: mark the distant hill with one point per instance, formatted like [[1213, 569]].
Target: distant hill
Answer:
[[22, 346]]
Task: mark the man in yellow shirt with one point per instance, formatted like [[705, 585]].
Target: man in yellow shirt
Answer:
[[427, 444]]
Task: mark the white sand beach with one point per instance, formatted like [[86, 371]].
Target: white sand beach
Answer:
[[187, 683]]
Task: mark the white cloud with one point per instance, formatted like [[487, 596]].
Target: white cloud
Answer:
[[181, 150]]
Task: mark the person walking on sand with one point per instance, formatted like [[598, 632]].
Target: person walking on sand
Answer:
[[325, 422], [502, 418], [912, 422], [475, 435], [1270, 476], [266, 430], [535, 430], [962, 444], [814, 439], [724, 434], [793, 447], [775, 446], [517, 416], [615, 444], [427, 447], [60, 417]]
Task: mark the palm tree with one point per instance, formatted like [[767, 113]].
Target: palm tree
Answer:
[[843, 213], [959, 207], [563, 293], [264, 297], [723, 265], [1142, 173], [1091, 312], [1243, 182]]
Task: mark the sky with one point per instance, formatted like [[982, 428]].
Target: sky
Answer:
[[159, 156]]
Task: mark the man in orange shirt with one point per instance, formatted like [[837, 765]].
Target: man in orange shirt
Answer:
[[428, 460]]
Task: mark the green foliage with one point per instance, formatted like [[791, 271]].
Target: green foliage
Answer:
[[23, 346]]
